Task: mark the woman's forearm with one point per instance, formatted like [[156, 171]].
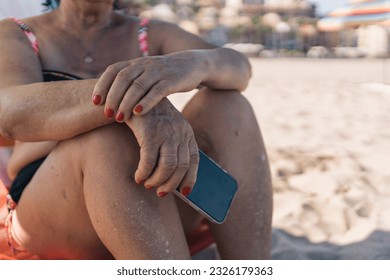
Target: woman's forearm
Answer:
[[228, 69], [49, 111]]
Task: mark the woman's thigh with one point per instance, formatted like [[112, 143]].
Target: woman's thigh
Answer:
[[52, 213], [83, 200]]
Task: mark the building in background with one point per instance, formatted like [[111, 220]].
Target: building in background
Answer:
[[363, 25]]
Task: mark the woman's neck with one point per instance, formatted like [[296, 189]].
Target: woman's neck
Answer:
[[84, 14]]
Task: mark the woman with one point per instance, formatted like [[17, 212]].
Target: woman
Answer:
[[105, 152]]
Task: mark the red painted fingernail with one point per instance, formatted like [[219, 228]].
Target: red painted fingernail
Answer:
[[120, 116], [139, 182], [186, 191], [138, 109], [109, 113], [96, 99], [148, 187], [162, 194]]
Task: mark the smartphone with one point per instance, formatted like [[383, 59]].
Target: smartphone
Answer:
[[213, 192]]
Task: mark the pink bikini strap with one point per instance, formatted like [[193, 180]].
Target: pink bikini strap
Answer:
[[31, 37], [143, 36]]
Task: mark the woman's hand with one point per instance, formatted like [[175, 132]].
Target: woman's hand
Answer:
[[138, 85], [168, 151]]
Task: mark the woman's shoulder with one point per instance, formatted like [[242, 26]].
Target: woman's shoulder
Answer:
[[8, 24], [159, 31], [171, 37], [12, 26], [9, 29], [159, 25], [20, 32], [155, 31]]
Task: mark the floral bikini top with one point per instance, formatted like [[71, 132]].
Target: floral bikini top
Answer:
[[50, 75]]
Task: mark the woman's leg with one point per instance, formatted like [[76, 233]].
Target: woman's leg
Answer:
[[226, 129], [83, 203]]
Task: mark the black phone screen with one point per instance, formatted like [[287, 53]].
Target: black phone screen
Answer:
[[214, 190]]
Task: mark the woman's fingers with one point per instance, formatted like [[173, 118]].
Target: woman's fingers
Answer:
[[119, 87], [168, 160], [169, 182], [135, 87], [104, 83], [147, 163], [122, 86], [153, 96], [189, 180], [184, 176], [176, 168], [134, 93]]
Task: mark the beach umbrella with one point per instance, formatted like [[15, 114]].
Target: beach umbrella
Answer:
[[356, 14], [330, 24]]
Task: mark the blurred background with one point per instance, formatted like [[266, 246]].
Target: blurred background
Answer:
[[266, 28], [356, 28]]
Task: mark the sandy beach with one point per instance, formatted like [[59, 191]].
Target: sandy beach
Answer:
[[326, 125]]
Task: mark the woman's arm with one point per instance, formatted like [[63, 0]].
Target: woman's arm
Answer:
[[180, 62], [228, 69], [49, 111], [31, 110]]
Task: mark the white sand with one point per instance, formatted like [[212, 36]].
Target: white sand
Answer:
[[326, 125]]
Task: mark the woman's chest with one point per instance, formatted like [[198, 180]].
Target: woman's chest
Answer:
[[87, 57]]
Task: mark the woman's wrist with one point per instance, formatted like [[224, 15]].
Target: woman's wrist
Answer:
[[226, 69], [206, 65]]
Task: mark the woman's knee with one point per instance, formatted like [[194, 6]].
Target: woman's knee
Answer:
[[217, 107], [108, 136], [110, 141], [218, 114]]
